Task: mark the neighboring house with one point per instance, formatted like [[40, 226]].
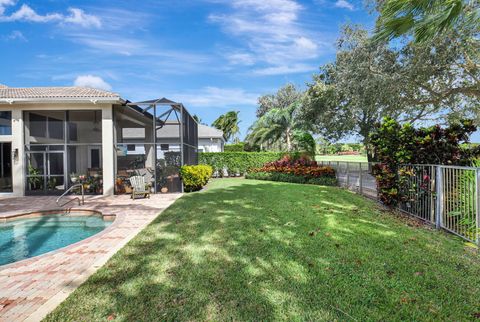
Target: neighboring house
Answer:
[[210, 139], [54, 137]]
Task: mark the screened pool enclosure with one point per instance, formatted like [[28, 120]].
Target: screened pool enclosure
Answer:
[[63, 148], [154, 139]]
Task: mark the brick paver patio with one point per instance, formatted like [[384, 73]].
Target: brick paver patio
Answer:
[[31, 288]]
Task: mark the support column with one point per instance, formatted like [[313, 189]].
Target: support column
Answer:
[[18, 153], [108, 151]]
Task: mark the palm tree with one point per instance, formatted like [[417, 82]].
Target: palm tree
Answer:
[[228, 124], [278, 125], [425, 19]]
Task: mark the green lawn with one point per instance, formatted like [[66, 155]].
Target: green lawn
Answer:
[[256, 250], [350, 158]]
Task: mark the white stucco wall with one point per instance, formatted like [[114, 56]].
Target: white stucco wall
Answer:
[[210, 145]]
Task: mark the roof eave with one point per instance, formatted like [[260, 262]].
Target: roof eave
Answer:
[[89, 100]]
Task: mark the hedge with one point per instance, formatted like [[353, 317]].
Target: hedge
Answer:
[[286, 177], [237, 162], [194, 177]]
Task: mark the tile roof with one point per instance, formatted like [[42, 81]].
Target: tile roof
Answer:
[[54, 93], [3, 86], [205, 131]]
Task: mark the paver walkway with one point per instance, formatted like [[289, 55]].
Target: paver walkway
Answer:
[[31, 288]]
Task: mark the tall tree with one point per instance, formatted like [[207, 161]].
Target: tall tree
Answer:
[[282, 99], [281, 127], [371, 80], [425, 19], [228, 124]]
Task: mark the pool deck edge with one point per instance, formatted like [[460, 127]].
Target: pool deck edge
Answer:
[[62, 294]]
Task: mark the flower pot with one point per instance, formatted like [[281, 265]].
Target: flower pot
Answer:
[[74, 179], [164, 190]]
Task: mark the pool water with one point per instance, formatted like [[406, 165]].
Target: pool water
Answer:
[[25, 238]]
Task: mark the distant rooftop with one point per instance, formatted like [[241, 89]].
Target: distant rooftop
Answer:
[[205, 131], [170, 130], [16, 93]]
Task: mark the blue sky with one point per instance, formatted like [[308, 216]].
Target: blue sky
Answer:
[[212, 55]]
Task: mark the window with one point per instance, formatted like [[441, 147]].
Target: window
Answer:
[[164, 147], [95, 158], [6, 123], [38, 125], [84, 126], [72, 131], [130, 147], [55, 128]]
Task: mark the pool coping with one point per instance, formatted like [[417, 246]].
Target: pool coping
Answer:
[[118, 219], [67, 211]]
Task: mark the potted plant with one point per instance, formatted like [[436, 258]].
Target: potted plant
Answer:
[[73, 177]]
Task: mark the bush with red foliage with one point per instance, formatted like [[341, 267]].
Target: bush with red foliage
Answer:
[[301, 166]]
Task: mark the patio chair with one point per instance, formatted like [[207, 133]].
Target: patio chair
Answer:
[[139, 187]]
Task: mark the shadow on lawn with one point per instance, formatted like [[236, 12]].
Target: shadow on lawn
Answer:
[[251, 251]]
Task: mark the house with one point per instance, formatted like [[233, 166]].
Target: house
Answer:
[[210, 139], [52, 138]]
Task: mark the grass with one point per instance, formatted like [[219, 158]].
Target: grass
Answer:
[[350, 158], [257, 250]]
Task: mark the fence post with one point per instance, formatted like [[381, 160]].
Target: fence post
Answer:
[[477, 204], [439, 195], [348, 176], [433, 185], [360, 178]]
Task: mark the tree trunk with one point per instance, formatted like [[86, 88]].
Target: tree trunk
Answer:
[[289, 141]]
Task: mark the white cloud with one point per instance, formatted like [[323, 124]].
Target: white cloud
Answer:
[[241, 58], [5, 3], [285, 69], [92, 81], [272, 33], [344, 4], [217, 97], [79, 17], [26, 13], [108, 43], [15, 35]]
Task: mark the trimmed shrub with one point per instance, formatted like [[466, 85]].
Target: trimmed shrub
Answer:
[[236, 147], [292, 178], [194, 177], [237, 162]]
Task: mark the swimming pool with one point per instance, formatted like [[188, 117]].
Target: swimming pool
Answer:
[[25, 238]]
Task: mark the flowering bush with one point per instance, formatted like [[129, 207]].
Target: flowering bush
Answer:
[[302, 166], [396, 144]]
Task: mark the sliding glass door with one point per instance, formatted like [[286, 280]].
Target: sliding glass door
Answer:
[[6, 167], [45, 172]]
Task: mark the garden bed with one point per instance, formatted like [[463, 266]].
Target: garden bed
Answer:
[[292, 178]]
